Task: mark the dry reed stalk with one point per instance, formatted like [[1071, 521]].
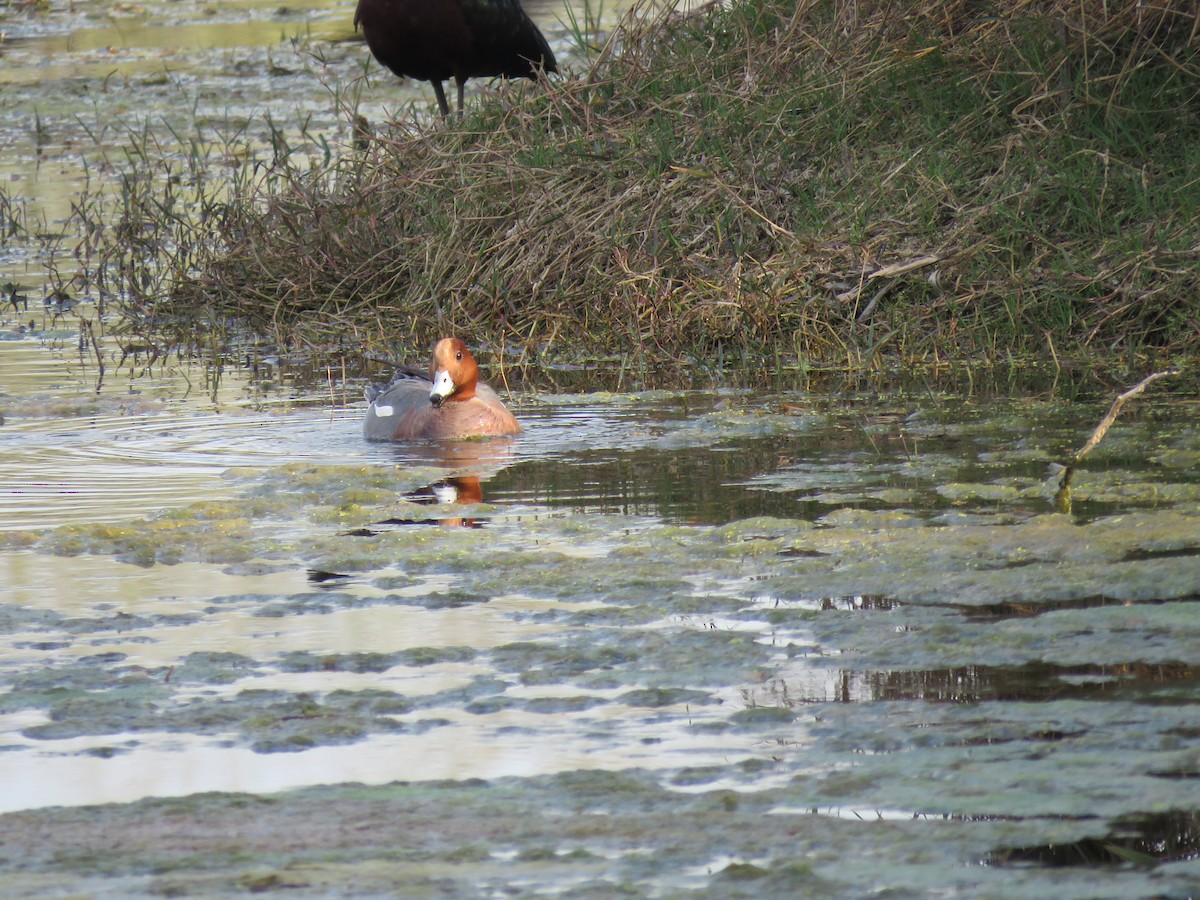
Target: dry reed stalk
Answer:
[[1062, 497]]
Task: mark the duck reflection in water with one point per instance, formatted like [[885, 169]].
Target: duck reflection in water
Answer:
[[464, 489], [468, 466]]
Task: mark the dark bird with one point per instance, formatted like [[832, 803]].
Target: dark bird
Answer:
[[435, 40]]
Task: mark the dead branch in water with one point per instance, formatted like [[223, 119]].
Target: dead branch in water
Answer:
[[1063, 497]]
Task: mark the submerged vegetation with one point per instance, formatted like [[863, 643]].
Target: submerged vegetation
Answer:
[[816, 181]]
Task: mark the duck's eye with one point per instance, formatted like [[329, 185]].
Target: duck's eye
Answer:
[[458, 355]]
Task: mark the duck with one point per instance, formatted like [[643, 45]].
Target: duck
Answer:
[[450, 403]]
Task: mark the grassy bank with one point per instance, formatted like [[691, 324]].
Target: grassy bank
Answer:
[[846, 183]]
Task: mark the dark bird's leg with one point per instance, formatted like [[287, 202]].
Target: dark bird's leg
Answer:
[[461, 84], [441, 98]]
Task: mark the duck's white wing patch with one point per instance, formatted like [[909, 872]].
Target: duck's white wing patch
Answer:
[[384, 411]]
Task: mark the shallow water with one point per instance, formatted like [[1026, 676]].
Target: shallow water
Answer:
[[864, 606]]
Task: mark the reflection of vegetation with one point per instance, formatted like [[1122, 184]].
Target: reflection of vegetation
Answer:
[[1029, 682], [1143, 840]]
